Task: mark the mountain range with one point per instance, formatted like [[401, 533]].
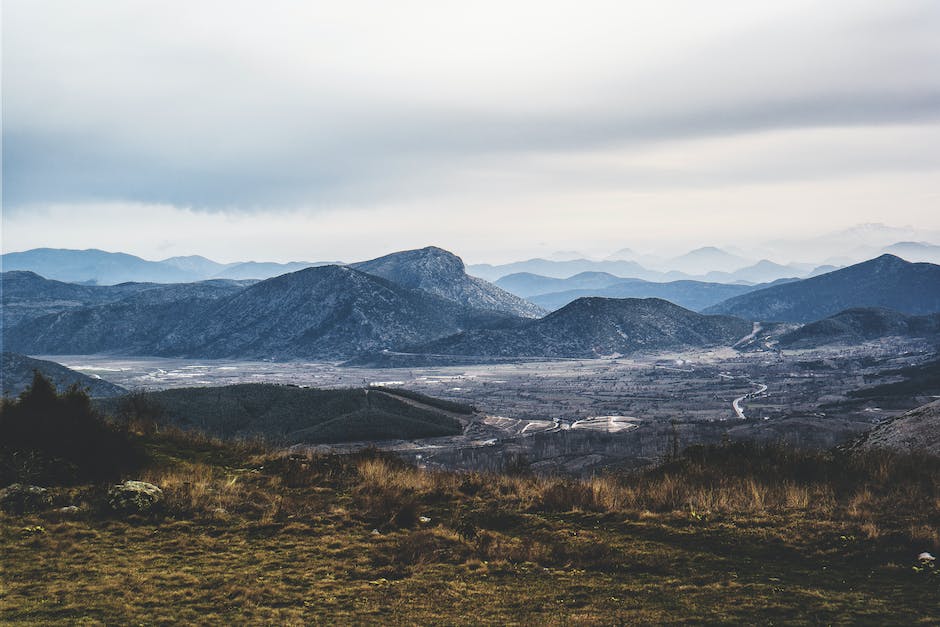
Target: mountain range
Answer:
[[98, 267], [551, 294], [708, 264], [324, 312], [593, 327], [887, 282], [424, 301]]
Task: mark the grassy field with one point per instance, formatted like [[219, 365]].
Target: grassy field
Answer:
[[733, 534]]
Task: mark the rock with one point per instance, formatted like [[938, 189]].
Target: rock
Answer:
[[424, 519], [135, 497], [69, 510], [20, 498]]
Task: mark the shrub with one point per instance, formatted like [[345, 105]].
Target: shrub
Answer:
[[61, 436]]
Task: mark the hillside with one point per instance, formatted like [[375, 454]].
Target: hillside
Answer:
[[915, 431], [16, 373], [443, 274], [857, 325], [885, 282], [290, 414], [723, 535], [27, 295], [592, 327], [141, 323], [330, 311]]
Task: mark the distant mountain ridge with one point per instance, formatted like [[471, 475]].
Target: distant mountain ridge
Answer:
[[562, 269], [526, 284], [701, 261], [708, 265], [100, 267], [93, 265], [885, 282], [593, 327]]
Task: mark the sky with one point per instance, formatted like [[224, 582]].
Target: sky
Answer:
[[286, 130]]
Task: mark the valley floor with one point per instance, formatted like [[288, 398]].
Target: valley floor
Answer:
[[580, 416]]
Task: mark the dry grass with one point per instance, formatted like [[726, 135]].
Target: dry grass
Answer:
[[721, 535]]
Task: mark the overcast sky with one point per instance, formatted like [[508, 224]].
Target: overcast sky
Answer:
[[500, 130]]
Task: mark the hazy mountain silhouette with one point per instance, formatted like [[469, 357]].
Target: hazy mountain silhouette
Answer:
[[887, 282]]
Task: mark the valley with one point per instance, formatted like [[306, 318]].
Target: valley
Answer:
[[579, 415]]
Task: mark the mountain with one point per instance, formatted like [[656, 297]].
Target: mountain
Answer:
[[331, 311], [695, 295], [707, 259], [106, 268], [853, 326], [886, 282], [291, 414], [442, 273], [823, 269], [26, 295], [915, 251], [526, 284], [593, 327], [324, 312], [17, 374], [917, 430], [95, 266], [197, 265], [263, 269], [563, 269], [764, 271], [140, 323]]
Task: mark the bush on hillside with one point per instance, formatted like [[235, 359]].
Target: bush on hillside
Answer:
[[50, 437]]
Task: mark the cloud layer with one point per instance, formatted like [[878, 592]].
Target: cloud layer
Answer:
[[446, 107]]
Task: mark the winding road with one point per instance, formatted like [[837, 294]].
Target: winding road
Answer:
[[736, 404]]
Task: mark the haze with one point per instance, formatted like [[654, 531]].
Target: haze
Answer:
[[501, 131]]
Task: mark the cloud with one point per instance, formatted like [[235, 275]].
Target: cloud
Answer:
[[244, 107]]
